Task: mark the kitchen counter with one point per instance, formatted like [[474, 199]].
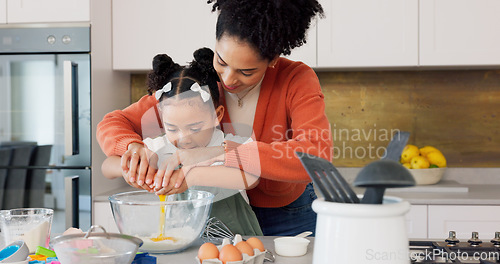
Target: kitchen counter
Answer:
[[444, 193], [189, 255], [448, 193]]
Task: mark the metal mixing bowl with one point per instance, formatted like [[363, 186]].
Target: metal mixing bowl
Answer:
[[164, 226]]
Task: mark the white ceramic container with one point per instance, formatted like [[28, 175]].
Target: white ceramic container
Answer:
[[361, 233]]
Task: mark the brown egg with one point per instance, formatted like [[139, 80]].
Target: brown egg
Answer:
[[208, 251], [256, 243], [229, 253], [244, 247]]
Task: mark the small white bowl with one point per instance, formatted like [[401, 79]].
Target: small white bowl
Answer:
[[291, 246], [427, 176]]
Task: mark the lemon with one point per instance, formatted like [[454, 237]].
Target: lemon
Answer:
[[407, 165], [409, 152], [436, 157], [419, 162], [427, 149]]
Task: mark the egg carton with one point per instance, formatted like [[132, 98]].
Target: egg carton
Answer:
[[257, 258]]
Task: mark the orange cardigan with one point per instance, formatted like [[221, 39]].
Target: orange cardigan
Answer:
[[290, 116]]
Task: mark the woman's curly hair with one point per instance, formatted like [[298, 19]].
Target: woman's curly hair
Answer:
[[200, 70], [273, 27]]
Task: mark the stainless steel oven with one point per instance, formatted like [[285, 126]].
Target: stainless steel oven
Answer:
[[45, 126]]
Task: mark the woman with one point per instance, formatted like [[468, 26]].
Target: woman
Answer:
[[277, 100]]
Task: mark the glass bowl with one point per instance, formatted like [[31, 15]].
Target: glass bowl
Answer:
[[95, 248], [165, 226]]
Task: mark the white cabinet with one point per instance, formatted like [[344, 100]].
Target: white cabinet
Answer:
[[393, 33], [367, 33], [103, 216], [176, 28], [142, 29], [416, 222], [47, 11], [3, 11], [459, 32], [307, 52], [464, 220]]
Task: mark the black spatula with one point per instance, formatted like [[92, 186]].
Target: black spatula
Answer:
[[385, 173], [328, 179]]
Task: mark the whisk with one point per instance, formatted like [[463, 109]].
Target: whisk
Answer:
[[215, 231]]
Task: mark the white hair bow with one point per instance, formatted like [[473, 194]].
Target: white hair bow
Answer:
[[166, 88], [204, 94]]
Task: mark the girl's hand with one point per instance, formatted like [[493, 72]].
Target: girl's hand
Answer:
[[139, 163], [170, 189], [185, 159]]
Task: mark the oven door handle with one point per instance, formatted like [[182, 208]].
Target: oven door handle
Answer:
[[71, 127]]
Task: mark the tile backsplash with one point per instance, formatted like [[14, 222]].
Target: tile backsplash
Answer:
[[457, 111]]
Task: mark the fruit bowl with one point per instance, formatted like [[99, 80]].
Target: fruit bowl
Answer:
[[427, 176]]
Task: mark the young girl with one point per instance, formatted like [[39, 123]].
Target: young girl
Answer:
[[190, 112]]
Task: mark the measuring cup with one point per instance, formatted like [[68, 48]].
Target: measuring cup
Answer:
[[32, 225]]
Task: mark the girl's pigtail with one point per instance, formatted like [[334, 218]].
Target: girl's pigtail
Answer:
[[203, 63], [163, 68]]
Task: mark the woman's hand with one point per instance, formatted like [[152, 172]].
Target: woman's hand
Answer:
[[139, 166], [185, 159]]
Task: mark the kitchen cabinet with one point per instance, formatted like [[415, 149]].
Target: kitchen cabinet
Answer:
[[416, 221], [176, 28], [3, 11], [46, 11], [307, 52], [161, 26], [353, 34], [464, 219], [366, 33], [459, 32], [103, 216]]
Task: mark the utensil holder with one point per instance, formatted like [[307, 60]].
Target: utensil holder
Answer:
[[361, 233]]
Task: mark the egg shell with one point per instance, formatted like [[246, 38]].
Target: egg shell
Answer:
[[208, 251], [230, 253], [245, 248], [256, 243]]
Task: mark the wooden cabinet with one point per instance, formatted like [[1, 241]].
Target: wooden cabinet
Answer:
[[142, 29], [416, 222], [103, 216], [459, 32], [463, 219], [366, 33], [47, 11]]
